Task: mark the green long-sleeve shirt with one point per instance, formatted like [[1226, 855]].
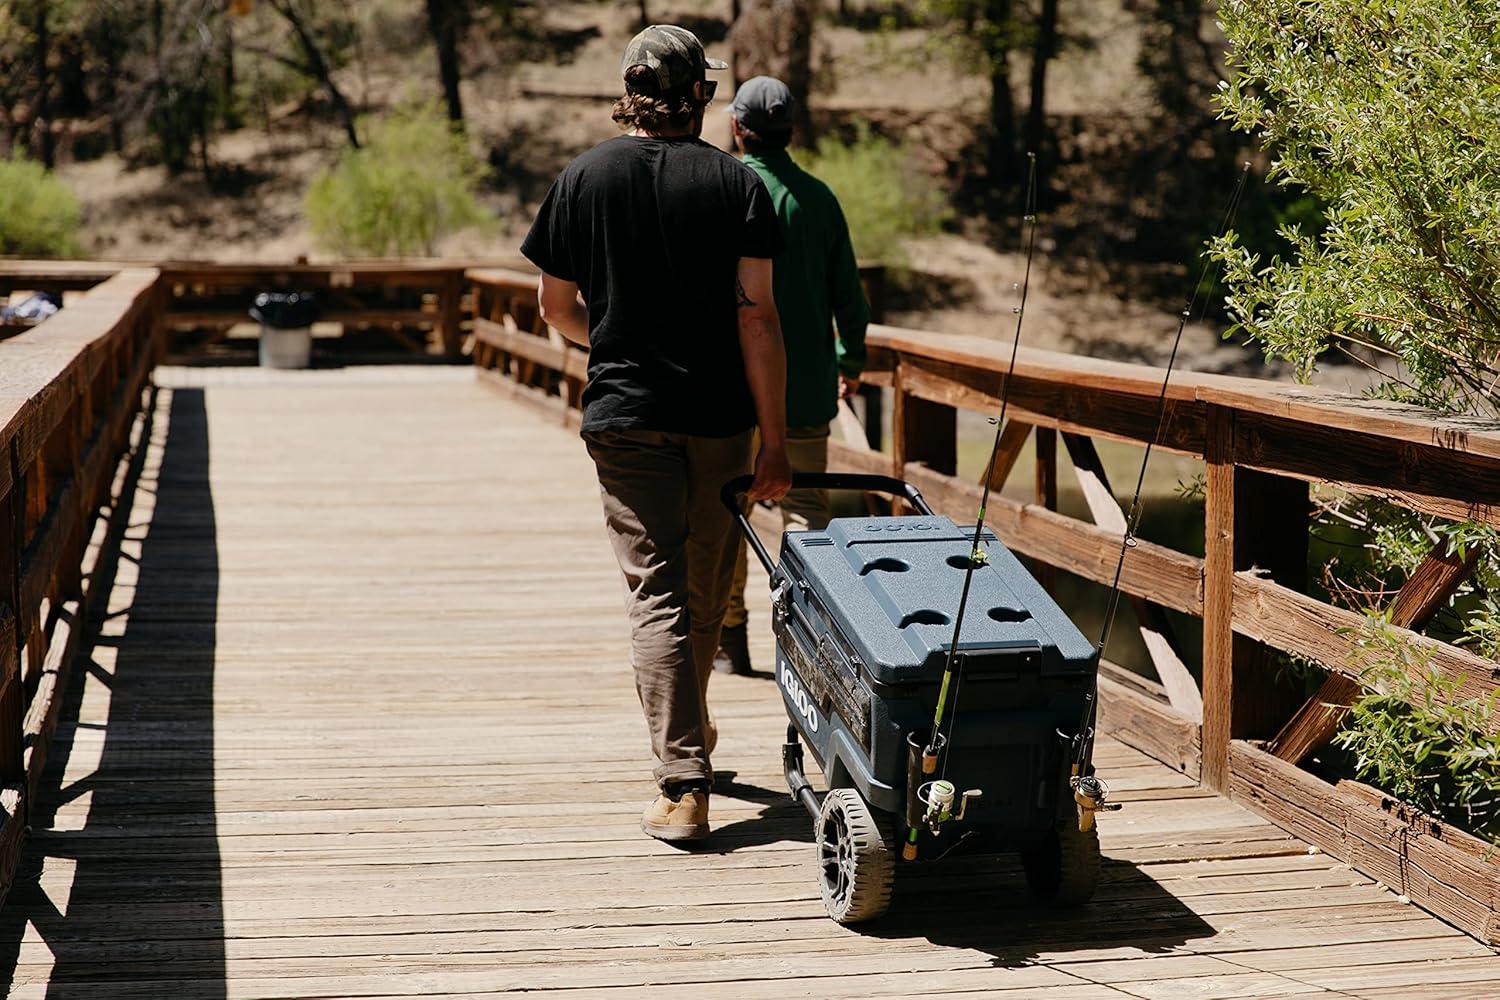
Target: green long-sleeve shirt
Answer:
[[816, 283]]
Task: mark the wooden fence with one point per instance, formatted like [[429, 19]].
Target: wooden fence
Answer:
[[1244, 732], [69, 391]]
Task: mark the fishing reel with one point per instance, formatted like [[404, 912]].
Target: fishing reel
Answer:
[[938, 797], [1089, 795]]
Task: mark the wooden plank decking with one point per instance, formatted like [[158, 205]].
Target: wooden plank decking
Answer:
[[358, 723]]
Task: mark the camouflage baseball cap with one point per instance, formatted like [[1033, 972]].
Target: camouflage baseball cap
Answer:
[[674, 54]]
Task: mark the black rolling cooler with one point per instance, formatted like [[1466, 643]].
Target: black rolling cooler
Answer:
[[863, 617]]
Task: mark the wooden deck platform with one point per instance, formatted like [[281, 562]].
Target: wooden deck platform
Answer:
[[358, 723]]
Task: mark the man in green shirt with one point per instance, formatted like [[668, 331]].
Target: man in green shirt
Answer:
[[816, 284]]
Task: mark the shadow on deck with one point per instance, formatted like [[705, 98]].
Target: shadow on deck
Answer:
[[143, 878]]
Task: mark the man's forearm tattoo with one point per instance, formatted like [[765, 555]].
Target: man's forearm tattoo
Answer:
[[742, 298]]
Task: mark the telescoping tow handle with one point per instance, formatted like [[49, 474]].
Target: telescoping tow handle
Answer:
[[866, 482]]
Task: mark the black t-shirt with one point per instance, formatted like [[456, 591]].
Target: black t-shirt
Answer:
[[652, 231]]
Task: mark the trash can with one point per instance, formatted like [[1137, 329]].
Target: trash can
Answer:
[[286, 320]]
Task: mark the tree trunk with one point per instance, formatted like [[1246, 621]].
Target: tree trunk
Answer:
[[443, 18], [109, 91], [72, 77], [799, 26], [774, 38], [735, 76], [1002, 100], [1046, 49], [42, 119], [645, 14], [317, 65], [229, 109]]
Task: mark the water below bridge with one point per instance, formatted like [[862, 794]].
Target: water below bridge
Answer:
[[357, 722]]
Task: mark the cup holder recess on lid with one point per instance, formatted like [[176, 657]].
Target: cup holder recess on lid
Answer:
[[885, 564], [962, 562], [923, 616], [1010, 614]]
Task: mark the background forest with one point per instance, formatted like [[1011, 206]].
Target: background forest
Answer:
[[195, 128]]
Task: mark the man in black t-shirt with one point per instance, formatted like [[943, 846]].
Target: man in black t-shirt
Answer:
[[655, 250]]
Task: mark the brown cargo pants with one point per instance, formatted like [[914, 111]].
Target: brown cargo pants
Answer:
[[676, 546]]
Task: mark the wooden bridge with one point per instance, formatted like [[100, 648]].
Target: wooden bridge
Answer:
[[313, 684]]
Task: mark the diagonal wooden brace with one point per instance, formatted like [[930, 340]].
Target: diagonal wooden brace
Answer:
[[1181, 688], [1423, 594]]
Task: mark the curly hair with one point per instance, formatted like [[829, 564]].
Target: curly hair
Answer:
[[645, 106]]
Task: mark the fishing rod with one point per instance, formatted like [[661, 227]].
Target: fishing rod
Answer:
[[939, 805], [1088, 791]]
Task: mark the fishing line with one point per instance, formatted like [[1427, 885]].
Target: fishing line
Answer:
[[1133, 514], [953, 669]]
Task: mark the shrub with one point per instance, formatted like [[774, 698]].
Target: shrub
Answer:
[[39, 214], [885, 196], [1384, 114], [1419, 741], [412, 183]]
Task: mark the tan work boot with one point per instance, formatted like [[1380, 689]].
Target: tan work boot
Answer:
[[675, 820]]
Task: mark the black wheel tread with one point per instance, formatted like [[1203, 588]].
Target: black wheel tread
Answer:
[[870, 892]]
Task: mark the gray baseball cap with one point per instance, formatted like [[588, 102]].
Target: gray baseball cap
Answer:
[[674, 54], [764, 104]]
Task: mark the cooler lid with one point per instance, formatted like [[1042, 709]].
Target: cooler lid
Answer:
[[893, 584]]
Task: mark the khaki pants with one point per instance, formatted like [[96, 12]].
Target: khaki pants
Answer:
[[675, 543], [807, 450]]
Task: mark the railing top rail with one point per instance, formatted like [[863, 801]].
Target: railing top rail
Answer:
[[1298, 403], [178, 270], [1324, 407], [501, 276], [993, 355], [33, 363], [23, 266]]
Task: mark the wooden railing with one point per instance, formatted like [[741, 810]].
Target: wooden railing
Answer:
[[418, 304], [1243, 732], [69, 390]]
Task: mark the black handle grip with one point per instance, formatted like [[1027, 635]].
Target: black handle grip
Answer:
[[867, 482]]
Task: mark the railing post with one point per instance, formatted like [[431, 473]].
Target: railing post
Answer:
[[1218, 598], [450, 313], [924, 431], [874, 433], [875, 284]]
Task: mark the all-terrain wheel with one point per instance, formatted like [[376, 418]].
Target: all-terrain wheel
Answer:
[[855, 866], [1064, 869]]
